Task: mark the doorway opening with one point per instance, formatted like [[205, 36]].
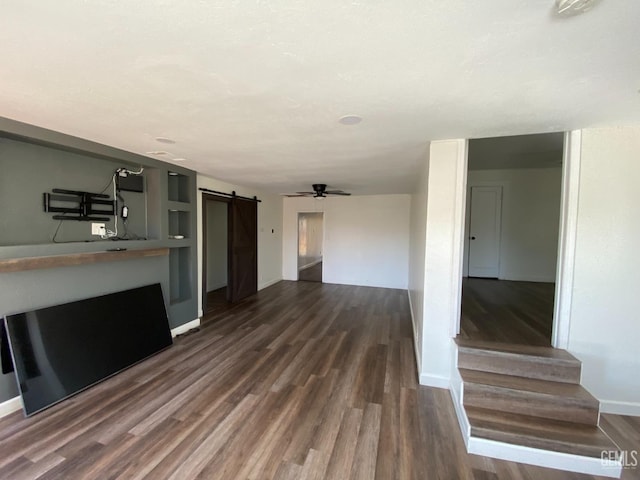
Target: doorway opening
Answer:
[[230, 252], [216, 255], [514, 192], [310, 238]]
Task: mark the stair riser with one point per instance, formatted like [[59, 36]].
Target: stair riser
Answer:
[[530, 403], [543, 444], [593, 451], [520, 365]]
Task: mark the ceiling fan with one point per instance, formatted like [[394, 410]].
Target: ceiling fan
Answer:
[[319, 191]]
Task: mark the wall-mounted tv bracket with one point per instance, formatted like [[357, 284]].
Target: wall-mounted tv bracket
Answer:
[[86, 205]]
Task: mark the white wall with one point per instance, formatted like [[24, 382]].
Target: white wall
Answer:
[[530, 221], [217, 241], [269, 231], [443, 258], [605, 323], [417, 243], [366, 239]]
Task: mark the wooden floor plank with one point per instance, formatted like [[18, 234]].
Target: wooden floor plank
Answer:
[[301, 381], [507, 311], [343, 452]]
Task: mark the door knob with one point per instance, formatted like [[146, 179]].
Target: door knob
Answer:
[[473, 238]]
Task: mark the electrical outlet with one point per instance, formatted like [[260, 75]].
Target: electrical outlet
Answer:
[[98, 229]]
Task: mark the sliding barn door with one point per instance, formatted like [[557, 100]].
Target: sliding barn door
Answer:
[[243, 249]]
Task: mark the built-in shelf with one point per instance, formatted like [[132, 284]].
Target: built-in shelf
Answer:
[[179, 242], [182, 206], [179, 190], [54, 261], [180, 278], [179, 224]]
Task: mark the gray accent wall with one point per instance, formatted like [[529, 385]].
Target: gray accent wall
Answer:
[[29, 170], [35, 160]]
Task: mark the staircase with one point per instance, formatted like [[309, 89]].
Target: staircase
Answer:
[[531, 397]]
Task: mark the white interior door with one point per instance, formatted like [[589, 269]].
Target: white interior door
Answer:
[[484, 232]]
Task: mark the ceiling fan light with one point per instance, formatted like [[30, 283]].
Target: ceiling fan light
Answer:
[[319, 197]]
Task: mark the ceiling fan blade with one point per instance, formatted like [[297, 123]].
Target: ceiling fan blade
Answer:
[[337, 192], [305, 193], [295, 195]]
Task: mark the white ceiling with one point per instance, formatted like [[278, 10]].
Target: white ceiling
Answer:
[[252, 91], [520, 151]]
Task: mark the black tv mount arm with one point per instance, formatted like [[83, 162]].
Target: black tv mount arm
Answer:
[[87, 205]]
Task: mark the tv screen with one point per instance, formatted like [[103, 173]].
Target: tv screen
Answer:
[[61, 350]]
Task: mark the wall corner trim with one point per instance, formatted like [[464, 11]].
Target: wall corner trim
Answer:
[[567, 238], [416, 351]]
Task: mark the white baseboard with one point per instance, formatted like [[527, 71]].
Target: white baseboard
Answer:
[[528, 278], [428, 380], [542, 458], [463, 420], [268, 283], [9, 406], [360, 283], [437, 381], [620, 408], [185, 327]]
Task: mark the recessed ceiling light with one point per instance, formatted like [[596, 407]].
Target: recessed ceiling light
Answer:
[[158, 152], [173, 174], [165, 140], [179, 159], [350, 120]]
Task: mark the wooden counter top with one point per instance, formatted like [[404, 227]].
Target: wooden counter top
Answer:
[[54, 261]]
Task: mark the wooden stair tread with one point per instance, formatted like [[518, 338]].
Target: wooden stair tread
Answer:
[[550, 353], [539, 363], [534, 432], [545, 387]]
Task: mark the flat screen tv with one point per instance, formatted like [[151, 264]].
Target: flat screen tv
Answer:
[[59, 351]]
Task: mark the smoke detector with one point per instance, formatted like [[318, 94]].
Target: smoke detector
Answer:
[[570, 7]]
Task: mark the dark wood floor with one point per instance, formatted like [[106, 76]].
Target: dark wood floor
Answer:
[[311, 274], [301, 381], [508, 312], [216, 304]]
